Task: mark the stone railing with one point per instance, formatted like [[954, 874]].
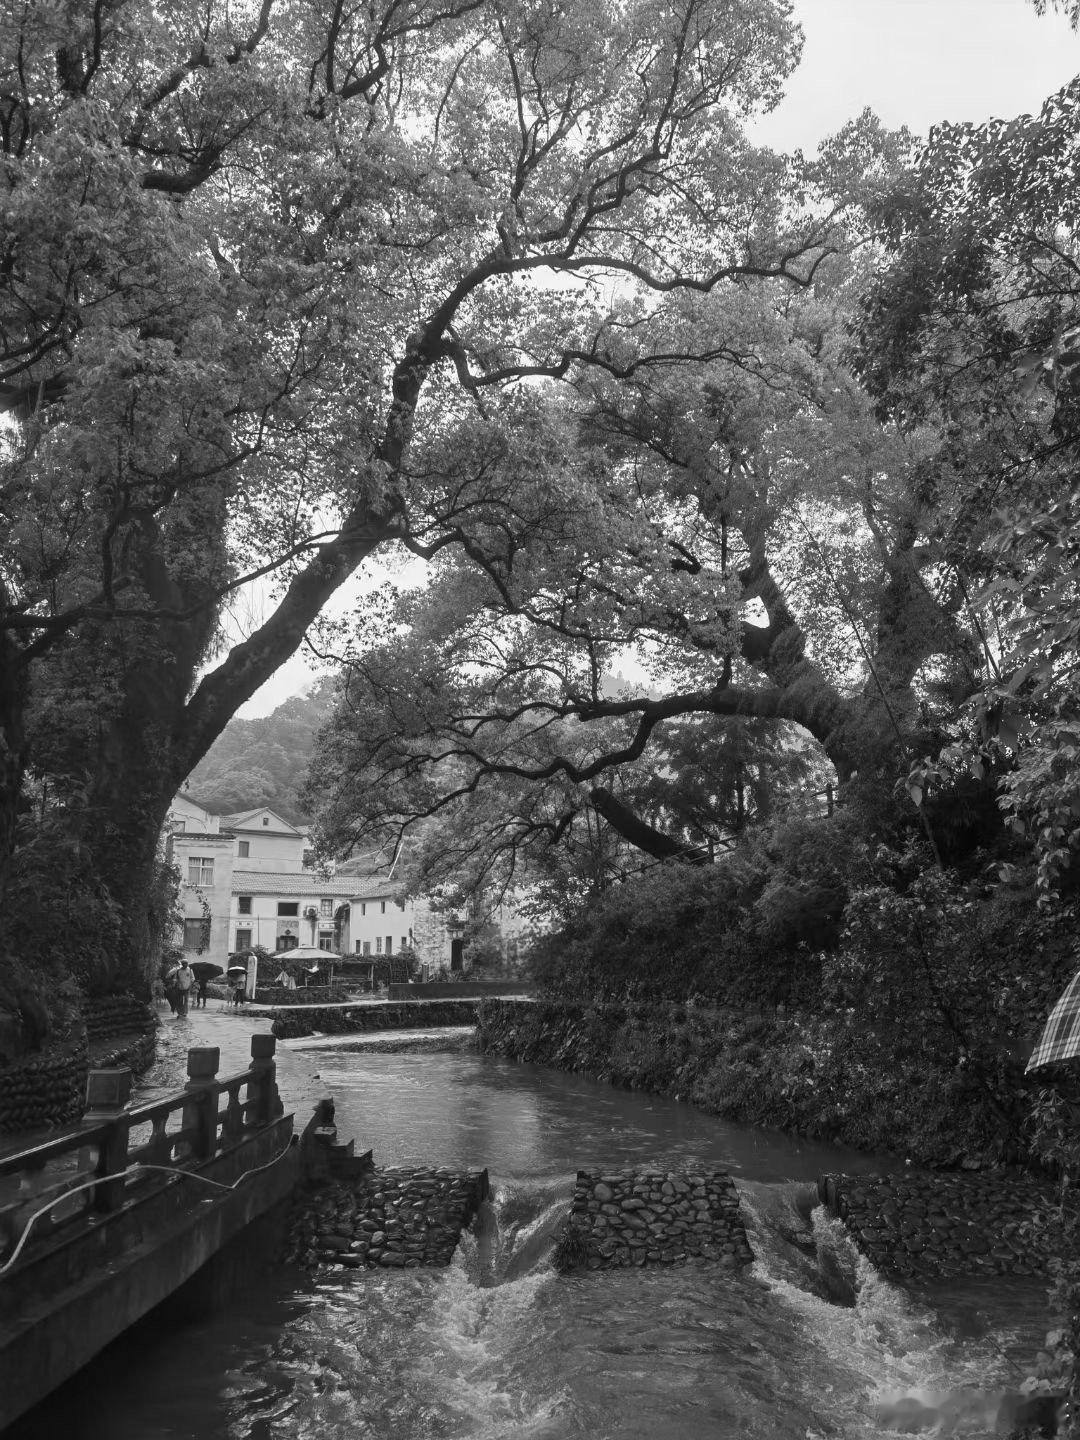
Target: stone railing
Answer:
[[93, 1168]]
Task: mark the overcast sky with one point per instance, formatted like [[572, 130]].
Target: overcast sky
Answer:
[[913, 62]]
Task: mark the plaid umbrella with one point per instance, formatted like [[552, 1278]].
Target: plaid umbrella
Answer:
[[1060, 1039]]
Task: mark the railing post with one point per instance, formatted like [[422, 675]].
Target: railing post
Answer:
[[107, 1095], [201, 1112], [264, 1078]]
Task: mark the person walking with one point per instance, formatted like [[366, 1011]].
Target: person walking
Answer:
[[202, 981], [172, 994], [184, 981]]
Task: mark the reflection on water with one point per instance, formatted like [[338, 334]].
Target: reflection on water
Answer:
[[499, 1347], [476, 1112]]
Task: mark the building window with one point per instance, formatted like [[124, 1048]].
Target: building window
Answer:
[[266, 820], [326, 907], [382, 907], [378, 944], [286, 942], [288, 907], [196, 934], [363, 909], [404, 942], [367, 946], [200, 870], [243, 848], [243, 904], [389, 944], [243, 939], [179, 826], [401, 905], [326, 940]]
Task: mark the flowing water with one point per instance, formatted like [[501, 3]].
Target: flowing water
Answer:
[[499, 1347]]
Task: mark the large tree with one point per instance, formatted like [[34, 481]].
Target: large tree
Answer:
[[857, 514], [751, 526], [259, 262]]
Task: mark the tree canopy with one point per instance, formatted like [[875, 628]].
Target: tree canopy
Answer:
[[281, 280], [851, 510]]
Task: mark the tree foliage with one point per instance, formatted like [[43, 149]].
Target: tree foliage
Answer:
[[972, 327], [274, 273]]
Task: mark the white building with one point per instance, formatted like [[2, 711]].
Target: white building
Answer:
[[244, 882]]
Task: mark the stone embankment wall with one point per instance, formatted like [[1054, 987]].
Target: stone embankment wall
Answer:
[[652, 1217], [408, 1015], [122, 1032], [940, 1226], [43, 1090], [48, 1088], [458, 989], [399, 1218]]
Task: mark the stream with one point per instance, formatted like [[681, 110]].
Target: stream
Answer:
[[497, 1346]]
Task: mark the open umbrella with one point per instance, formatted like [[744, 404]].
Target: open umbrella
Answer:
[[1060, 1038], [205, 969]]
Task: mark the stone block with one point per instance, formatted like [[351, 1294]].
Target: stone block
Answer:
[[203, 1062], [107, 1090]]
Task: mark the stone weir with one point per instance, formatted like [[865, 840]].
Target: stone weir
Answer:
[[402, 1217], [940, 1226], [349, 1019], [652, 1217], [351, 1213]]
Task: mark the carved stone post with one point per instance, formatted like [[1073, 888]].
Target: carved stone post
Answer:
[[200, 1113], [264, 1072], [107, 1095]]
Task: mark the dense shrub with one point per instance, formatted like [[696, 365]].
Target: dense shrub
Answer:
[[747, 931]]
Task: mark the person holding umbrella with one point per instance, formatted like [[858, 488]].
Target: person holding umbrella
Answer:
[[204, 971], [237, 979]]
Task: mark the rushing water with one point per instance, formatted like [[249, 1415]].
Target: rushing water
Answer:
[[499, 1347]]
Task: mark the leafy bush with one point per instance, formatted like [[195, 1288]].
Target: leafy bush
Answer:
[[746, 931]]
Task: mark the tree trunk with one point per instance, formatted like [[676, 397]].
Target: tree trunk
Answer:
[[641, 835], [13, 699]]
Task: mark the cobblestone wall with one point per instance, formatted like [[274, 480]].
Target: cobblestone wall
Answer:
[[652, 1217], [42, 1090], [940, 1225]]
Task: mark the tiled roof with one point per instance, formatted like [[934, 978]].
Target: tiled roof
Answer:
[[371, 887], [291, 882]]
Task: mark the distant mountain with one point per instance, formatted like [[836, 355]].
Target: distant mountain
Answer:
[[264, 761]]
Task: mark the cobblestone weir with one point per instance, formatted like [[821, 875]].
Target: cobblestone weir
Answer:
[[400, 1218], [938, 1225], [652, 1217]]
